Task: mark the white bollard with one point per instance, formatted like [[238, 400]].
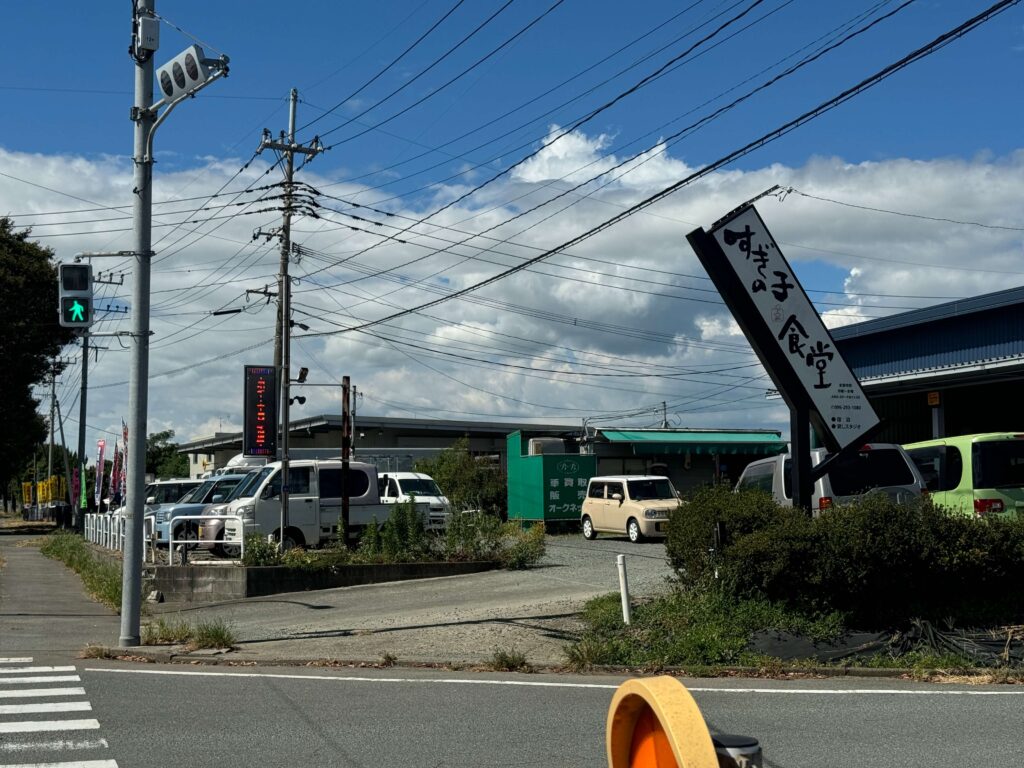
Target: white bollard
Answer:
[[627, 615]]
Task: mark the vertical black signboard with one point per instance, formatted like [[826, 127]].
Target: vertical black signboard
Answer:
[[259, 417]]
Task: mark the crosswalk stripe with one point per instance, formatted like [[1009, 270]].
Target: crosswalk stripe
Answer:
[[31, 693], [32, 726], [48, 706], [74, 764], [19, 670], [15, 659], [40, 679], [55, 745]]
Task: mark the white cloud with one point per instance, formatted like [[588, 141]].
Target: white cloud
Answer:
[[629, 301]]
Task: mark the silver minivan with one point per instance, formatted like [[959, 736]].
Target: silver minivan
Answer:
[[874, 468]]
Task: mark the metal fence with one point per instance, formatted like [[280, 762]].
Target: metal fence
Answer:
[[110, 531]]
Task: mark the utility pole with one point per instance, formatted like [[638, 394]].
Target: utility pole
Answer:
[[664, 415], [67, 466], [53, 400], [352, 431], [282, 338], [76, 505], [192, 73], [346, 446], [138, 381]]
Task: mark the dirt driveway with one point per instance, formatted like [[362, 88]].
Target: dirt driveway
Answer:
[[461, 619]]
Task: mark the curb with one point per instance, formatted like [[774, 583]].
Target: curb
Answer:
[[225, 658]]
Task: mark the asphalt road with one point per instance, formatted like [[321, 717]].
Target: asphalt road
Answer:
[[152, 715]]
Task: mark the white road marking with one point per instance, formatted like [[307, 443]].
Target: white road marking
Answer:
[[40, 679], [597, 686], [15, 659], [56, 745], [30, 693], [19, 670], [32, 726], [48, 706], [74, 764]]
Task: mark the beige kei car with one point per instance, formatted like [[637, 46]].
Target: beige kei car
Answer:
[[637, 505]]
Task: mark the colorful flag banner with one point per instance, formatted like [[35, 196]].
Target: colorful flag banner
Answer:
[[101, 446]]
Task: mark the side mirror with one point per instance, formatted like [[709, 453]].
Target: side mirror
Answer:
[[216, 498], [151, 500], [617, 497]]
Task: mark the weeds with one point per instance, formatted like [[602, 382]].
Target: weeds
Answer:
[[212, 634], [102, 580], [388, 659], [260, 551], [509, 660], [96, 652]]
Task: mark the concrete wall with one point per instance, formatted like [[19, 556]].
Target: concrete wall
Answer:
[[204, 584]]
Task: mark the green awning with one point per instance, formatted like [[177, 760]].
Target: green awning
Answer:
[[667, 442]]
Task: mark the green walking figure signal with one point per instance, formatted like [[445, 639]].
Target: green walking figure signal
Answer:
[[75, 284]]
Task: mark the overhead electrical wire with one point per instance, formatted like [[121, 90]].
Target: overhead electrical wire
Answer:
[[826, 106]]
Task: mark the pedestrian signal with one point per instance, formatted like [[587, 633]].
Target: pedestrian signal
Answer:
[[75, 283]]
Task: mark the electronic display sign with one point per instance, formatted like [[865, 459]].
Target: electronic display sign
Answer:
[[259, 419]]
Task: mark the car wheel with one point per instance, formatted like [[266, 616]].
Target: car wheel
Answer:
[[187, 535], [291, 541], [588, 528], [230, 550], [633, 531]]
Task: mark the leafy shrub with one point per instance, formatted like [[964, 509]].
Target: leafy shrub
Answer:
[[401, 539], [524, 547], [472, 536], [876, 561], [260, 551]]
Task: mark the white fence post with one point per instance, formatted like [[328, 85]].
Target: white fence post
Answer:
[[627, 615]]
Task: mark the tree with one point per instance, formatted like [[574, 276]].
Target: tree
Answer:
[[31, 338], [162, 457], [468, 482]]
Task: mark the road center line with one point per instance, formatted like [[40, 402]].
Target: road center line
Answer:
[[15, 659], [545, 684], [31, 693], [19, 670]]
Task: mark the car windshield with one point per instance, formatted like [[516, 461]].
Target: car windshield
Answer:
[[420, 487], [646, 490], [196, 495], [863, 471], [244, 488], [998, 464]]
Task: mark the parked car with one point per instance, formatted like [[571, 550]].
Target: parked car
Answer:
[[210, 491], [874, 468], [163, 492], [396, 487], [211, 527], [637, 505], [979, 474]]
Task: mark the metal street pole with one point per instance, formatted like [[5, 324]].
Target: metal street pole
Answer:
[[138, 381], [76, 505], [67, 466], [285, 292]]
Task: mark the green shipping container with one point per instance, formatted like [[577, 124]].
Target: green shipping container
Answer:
[[549, 487]]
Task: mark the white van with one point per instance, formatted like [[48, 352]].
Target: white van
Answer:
[[874, 468], [396, 487], [314, 502]]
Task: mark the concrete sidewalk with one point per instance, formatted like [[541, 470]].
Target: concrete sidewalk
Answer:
[[456, 619], [44, 608]]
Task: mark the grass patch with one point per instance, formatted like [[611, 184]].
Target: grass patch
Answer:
[[509, 660], [210, 634], [101, 579], [96, 652], [687, 628]]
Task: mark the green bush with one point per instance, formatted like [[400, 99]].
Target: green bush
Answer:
[[878, 562], [401, 539], [472, 536], [260, 551], [524, 547]]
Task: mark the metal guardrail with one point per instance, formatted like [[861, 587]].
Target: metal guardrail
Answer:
[[109, 531], [173, 523]]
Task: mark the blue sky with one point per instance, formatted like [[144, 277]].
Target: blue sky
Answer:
[[940, 139]]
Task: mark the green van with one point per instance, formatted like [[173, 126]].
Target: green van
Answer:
[[974, 474]]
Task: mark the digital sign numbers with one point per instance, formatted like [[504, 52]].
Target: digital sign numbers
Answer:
[[259, 435]]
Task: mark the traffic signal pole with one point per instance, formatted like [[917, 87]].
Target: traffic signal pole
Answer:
[[138, 380]]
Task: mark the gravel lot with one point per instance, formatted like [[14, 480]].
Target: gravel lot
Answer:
[[462, 619]]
